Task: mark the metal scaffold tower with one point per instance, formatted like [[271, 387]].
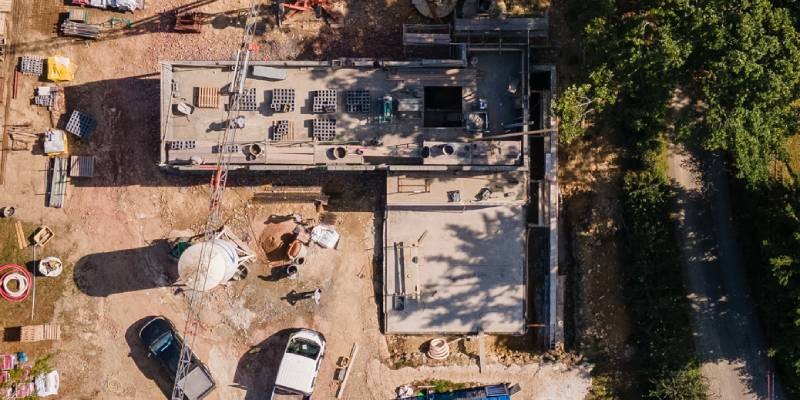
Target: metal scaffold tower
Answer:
[[235, 121]]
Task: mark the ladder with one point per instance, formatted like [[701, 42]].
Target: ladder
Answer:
[[218, 182]]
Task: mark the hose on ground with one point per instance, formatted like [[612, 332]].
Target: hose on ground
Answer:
[[14, 273]]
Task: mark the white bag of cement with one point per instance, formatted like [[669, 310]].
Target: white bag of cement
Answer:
[[325, 236], [127, 5]]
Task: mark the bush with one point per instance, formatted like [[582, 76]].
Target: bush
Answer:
[[768, 222], [683, 384], [655, 292]]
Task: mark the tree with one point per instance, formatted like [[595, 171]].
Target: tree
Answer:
[[750, 83], [577, 104]]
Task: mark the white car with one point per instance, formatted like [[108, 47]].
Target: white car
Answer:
[[299, 367]]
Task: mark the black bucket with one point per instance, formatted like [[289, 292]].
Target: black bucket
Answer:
[[426, 152], [6, 212]]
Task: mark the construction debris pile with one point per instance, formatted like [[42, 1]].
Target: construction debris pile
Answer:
[[287, 240], [54, 142], [20, 379]]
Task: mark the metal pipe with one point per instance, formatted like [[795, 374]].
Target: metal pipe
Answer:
[[515, 134]]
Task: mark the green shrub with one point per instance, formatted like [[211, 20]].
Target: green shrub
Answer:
[[683, 384]]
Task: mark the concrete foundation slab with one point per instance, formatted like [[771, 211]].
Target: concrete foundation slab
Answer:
[[454, 269]]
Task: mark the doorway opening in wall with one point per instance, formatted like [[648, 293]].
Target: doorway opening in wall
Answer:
[[443, 107]]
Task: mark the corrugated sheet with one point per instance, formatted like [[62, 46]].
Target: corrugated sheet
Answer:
[[57, 182], [81, 167]]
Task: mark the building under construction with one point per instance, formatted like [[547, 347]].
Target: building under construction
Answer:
[[465, 141]]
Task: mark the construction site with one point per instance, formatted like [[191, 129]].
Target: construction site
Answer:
[[242, 199]]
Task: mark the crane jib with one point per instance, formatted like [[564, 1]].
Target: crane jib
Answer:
[[218, 183]]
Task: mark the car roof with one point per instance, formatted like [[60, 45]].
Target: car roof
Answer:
[[153, 328], [297, 373]]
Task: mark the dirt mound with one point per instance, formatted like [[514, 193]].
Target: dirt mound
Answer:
[[274, 239]]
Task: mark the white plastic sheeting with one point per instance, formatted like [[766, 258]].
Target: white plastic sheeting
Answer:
[[47, 384]]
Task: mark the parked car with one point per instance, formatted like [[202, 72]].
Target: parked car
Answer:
[[299, 367], [164, 343]]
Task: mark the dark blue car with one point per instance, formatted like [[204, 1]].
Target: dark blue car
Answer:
[[163, 342]]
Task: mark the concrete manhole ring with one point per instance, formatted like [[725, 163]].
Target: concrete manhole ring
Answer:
[[114, 386]]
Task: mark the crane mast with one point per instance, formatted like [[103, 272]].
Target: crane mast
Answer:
[[219, 180]]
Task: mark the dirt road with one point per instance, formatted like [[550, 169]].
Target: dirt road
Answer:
[[727, 334]]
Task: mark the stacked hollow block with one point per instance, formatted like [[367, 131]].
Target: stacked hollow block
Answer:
[[182, 144], [324, 101], [324, 130], [247, 101], [31, 65], [280, 130], [358, 101], [80, 125], [282, 100]]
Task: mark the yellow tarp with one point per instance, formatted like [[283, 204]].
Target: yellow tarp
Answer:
[[60, 68]]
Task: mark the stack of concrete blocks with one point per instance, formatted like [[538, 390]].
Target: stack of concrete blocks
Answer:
[[247, 101], [280, 131], [358, 101], [325, 101], [324, 130], [282, 100], [80, 125], [31, 65]]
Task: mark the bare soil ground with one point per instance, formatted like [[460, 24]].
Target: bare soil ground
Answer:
[[592, 246], [591, 180], [113, 230]]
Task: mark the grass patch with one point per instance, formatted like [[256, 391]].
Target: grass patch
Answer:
[[442, 385], [10, 253], [48, 290], [404, 363]]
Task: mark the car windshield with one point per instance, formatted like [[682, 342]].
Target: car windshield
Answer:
[[303, 347], [161, 343]]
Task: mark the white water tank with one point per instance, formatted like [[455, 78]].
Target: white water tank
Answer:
[[221, 258]]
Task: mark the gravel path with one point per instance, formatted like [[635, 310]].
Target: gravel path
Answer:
[[728, 336]]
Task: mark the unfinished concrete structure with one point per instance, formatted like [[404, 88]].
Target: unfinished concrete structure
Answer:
[[452, 136]]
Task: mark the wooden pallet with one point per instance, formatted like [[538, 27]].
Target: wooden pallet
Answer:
[[207, 97], [36, 333]]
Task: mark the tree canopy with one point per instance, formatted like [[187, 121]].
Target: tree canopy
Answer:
[[737, 62]]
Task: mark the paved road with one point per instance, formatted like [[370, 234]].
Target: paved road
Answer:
[[728, 337]]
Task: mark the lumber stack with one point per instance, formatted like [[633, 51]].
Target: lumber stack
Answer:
[[69, 28]]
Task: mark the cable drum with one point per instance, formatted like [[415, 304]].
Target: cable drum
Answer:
[[17, 276]]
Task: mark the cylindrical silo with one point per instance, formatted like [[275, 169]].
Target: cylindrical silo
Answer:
[[220, 257]]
